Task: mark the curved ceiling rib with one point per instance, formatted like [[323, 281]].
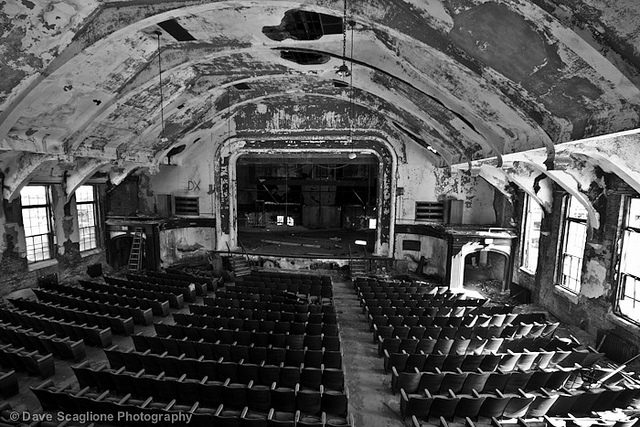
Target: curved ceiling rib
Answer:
[[478, 79]]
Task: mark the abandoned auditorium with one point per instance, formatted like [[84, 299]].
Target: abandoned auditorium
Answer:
[[322, 213]]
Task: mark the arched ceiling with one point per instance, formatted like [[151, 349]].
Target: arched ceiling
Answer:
[[465, 79]]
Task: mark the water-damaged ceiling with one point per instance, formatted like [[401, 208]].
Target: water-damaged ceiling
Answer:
[[465, 79]]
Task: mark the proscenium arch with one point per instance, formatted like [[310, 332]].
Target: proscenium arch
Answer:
[[228, 152], [220, 119]]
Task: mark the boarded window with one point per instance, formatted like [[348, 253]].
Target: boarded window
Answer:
[[430, 211], [189, 206], [411, 245]]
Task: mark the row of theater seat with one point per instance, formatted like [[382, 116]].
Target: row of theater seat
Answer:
[[63, 398], [265, 372], [164, 293], [463, 382], [270, 302], [423, 300], [284, 396], [259, 325], [472, 346], [278, 277], [282, 313], [507, 361], [142, 309], [234, 336], [139, 316], [251, 353], [514, 405], [518, 390], [201, 287], [177, 294], [91, 335], [145, 299], [29, 361], [451, 318], [186, 275], [411, 308], [546, 421], [118, 325], [64, 348], [531, 330]]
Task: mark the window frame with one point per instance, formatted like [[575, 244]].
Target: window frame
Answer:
[[620, 276], [526, 238], [94, 204], [51, 235], [566, 221]]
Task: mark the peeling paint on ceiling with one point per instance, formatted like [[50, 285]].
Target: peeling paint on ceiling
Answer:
[[469, 78]]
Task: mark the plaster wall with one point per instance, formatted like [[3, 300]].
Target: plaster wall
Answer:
[[422, 181], [191, 178], [184, 243], [433, 249]]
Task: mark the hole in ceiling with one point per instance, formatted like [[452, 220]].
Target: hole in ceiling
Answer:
[[340, 83], [97, 101], [196, 140], [416, 138], [176, 30], [180, 107], [304, 58], [304, 25], [175, 150], [242, 86]]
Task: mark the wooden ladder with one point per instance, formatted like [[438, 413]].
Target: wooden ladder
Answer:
[[135, 255]]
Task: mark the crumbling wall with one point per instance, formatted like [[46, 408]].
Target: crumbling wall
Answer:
[[68, 262], [592, 309]]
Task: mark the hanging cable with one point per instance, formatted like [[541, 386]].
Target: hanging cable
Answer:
[[343, 70], [160, 83], [352, 154]]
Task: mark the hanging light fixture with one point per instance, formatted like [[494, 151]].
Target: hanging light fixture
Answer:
[[162, 137], [343, 71], [352, 154]]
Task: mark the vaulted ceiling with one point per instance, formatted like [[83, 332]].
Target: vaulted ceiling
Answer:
[[465, 79]]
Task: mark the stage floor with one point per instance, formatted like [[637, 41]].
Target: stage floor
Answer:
[[300, 241]]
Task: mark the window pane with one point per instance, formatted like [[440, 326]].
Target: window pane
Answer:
[[634, 214], [33, 195], [87, 238], [84, 193], [37, 248], [531, 235], [576, 210], [86, 217], [629, 260], [629, 303], [576, 237], [35, 221]]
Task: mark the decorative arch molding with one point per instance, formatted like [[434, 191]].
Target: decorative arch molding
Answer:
[[228, 152]]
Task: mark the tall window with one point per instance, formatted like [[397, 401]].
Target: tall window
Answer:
[[532, 217], [629, 268], [38, 225], [86, 206], [574, 238]]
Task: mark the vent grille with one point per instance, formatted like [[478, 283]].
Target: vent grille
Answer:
[[430, 211], [411, 245], [186, 206]]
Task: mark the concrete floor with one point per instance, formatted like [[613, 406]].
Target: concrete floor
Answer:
[[370, 399]]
